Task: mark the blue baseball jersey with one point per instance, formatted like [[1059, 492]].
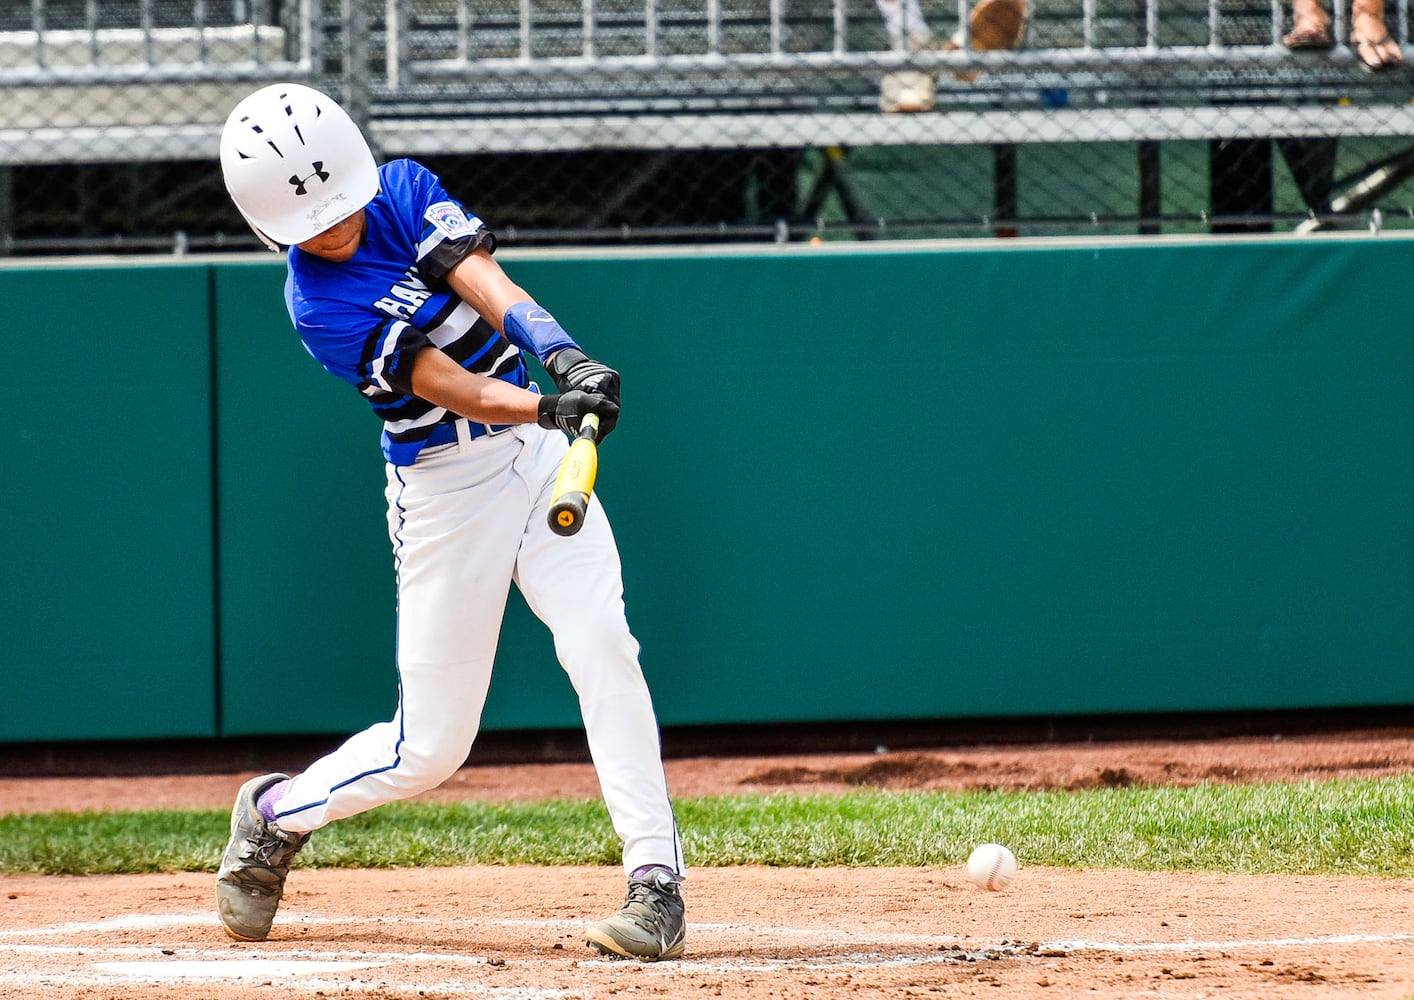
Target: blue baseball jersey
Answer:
[[366, 318]]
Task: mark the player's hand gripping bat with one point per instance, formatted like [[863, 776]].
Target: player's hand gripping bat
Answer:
[[575, 483]]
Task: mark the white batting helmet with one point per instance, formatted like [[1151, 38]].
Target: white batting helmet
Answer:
[[295, 163]]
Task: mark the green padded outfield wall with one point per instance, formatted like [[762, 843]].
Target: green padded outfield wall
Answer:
[[106, 604], [1012, 480], [306, 571], [907, 481]]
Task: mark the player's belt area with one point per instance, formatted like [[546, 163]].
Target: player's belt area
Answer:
[[447, 433]]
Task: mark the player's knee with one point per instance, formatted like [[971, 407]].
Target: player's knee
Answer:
[[424, 766], [610, 638], [610, 667]]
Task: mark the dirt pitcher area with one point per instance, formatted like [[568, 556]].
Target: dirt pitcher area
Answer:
[[516, 932]]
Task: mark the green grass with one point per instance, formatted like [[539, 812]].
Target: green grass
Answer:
[[1343, 827]]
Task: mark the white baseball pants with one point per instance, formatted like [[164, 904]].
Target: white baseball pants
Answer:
[[466, 520]]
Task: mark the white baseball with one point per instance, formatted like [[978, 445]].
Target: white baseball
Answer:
[[991, 866]]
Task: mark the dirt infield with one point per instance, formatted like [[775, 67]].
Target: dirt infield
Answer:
[[515, 932]]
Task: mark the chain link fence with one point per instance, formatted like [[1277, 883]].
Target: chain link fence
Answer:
[[603, 122]]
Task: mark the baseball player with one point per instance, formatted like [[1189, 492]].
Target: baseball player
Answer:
[[392, 287]]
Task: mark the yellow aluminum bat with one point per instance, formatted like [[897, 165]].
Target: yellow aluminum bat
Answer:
[[575, 483]]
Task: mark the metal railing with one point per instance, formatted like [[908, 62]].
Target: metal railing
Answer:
[[139, 80], [439, 38], [118, 43], [668, 84], [513, 71]]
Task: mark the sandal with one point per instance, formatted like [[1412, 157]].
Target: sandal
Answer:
[[1375, 50], [1310, 27], [1310, 36]]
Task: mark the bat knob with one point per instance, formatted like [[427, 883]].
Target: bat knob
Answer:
[[567, 514]]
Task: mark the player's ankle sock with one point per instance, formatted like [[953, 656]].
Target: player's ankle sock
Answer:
[[268, 799], [643, 871]]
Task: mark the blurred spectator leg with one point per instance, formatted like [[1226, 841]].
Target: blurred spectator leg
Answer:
[[1240, 184], [1375, 50], [1312, 166], [7, 209], [1004, 188], [993, 25], [752, 187], [907, 29], [1151, 206], [1310, 26], [906, 90], [773, 175]]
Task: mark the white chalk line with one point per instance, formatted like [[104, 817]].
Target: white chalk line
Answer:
[[151, 922], [198, 918], [296, 967], [134, 922], [1160, 947], [301, 985], [230, 968], [135, 953]]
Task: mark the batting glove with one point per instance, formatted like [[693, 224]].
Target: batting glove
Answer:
[[566, 410], [572, 370]]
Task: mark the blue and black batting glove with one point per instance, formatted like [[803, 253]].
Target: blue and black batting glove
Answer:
[[571, 369], [566, 410]]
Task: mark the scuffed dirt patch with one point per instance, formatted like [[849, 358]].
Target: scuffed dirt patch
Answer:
[[1116, 764], [1107, 764]]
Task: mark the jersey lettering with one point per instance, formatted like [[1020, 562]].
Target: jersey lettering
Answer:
[[366, 320], [405, 298]]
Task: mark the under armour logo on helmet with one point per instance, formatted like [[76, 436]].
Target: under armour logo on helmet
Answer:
[[299, 182]]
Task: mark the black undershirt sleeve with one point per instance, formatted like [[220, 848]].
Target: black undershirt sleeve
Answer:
[[438, 263]]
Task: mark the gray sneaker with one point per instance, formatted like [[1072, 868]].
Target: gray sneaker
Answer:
[[253, 869], [650, 925]]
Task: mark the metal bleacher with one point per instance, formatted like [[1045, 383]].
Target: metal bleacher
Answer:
[[78, 88], [770, 73], [151, 80], [452, 76]]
